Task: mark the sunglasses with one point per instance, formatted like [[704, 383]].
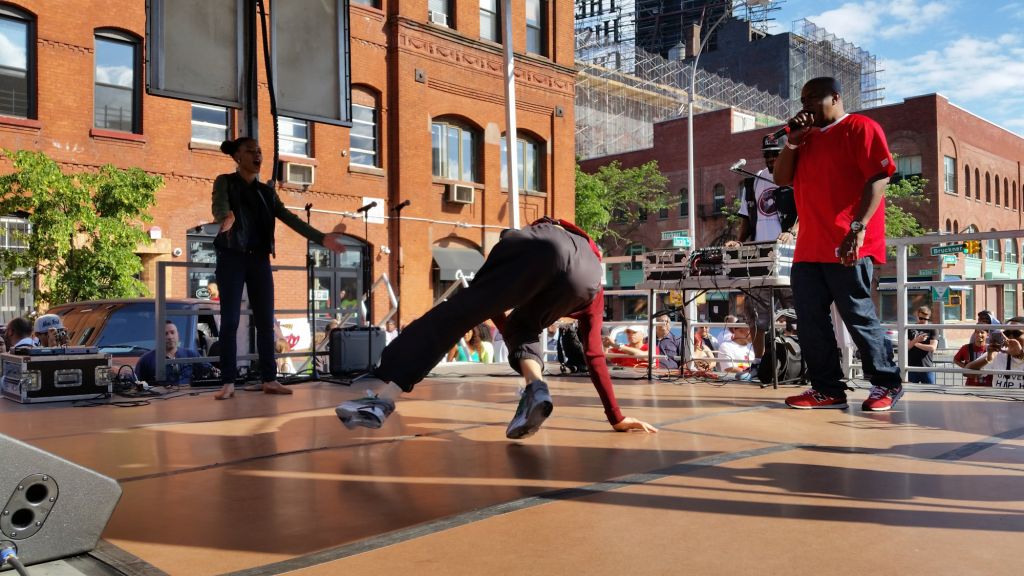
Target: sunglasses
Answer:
[[924, 317], [1012, 333]]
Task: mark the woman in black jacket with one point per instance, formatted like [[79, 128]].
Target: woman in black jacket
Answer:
[[247, 210]]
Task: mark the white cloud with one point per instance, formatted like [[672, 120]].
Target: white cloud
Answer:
[[861, 22], [12, 54], [1014, 9], [116, 75]]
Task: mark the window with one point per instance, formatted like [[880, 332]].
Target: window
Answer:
[[997, 191], [293, 136], [988, 188], [17, 64], [968, 298], [530, 164], [340, 280], [641, 214], [967, 181], [363, 136], [992, 249], [210, 124], [1006, 192], [1010, 255], [439, 12], [718, 198], [535, 26], [977, 185], [908, 166], [636, 253], [1015, 195], [949, 226], [684, 203], [371, 3], [1009, 300], [490, 20], [117, 97], [663, 213], [950, 164], [454, 151]]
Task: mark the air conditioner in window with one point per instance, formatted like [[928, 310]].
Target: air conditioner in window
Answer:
[[460, 194], [301, 174], [437, 17]]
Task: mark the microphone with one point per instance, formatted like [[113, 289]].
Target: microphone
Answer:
[[367, 207], [739, 164], [792, 124], [401, 205]]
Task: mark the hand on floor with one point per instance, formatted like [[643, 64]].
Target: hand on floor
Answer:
[[628, 424]]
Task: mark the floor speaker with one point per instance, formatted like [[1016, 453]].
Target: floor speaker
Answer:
[[355, 349], [51, 507]]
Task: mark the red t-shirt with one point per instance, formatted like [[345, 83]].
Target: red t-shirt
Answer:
[[833, 166], [632, 361], [966, 354]]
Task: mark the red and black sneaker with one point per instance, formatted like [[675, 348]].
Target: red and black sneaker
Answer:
[[881, 399], [811, 399]]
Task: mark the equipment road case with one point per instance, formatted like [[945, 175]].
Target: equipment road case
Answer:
[[34, 378]]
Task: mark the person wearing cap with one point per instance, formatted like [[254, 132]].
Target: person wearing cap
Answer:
[[46, 330], [635, 348], [839, 165], [768, 214]]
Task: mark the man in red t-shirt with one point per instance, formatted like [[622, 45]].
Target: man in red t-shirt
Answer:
[[543, 272], [838, 165]]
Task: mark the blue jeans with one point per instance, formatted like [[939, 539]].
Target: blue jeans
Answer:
[[921, 377], [235, 270], [816, 286]]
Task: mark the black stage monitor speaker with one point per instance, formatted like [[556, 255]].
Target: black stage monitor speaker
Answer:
[[51, 508], [355, 350]]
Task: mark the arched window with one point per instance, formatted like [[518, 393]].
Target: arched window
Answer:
[[1014, 194], [530, 157], [988, 188], [364, 137], [977, 185], [18, 58], [117, 96], [684, 203], [998, 197], [1006, 192], [455, 146], [949, 225], [992, 249], [967, 181], [956, 226], [718, 198]]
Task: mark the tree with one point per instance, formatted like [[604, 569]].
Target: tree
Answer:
[[86, 227], [622, 194]]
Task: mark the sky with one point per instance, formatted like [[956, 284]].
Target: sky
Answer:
[[970, 51]]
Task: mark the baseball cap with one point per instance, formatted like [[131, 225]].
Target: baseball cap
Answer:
[[637, 328], [771, 144], [47, 321]]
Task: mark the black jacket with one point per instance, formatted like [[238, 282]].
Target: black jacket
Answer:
[[232, 193]]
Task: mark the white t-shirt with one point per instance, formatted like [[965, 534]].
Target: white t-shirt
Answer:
[[740, 354], [768, 224], [1006, 380], [389, 336]]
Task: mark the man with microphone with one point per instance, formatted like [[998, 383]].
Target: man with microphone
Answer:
[[763, 221], [839, 165]]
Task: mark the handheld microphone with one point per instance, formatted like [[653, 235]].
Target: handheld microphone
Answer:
[[367, 207], [401, 205], [791, 125], [739, 164]]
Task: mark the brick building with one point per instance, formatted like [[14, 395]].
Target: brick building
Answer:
[[973, 168], [428, 109]]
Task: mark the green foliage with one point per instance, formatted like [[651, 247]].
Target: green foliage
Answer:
[[622, 193], [906, 192], [86, 227]]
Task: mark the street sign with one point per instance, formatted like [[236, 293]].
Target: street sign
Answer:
[[670, 234], [940, 293], [949, 259], [682, 242], [949, 249], [927, 272]]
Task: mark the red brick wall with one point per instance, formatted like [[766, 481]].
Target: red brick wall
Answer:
[[464, 79]]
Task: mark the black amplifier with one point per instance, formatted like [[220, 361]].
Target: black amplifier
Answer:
[[356, 349], [55, 378], [707, 262]]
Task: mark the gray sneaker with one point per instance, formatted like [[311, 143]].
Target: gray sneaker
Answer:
[[368, 412], [534, 408]]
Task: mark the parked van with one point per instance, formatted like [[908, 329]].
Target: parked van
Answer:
[[124, 328]]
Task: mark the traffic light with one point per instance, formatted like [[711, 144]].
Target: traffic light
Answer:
[[973, 247]]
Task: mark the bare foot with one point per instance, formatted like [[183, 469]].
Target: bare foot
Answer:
[[275, 387], [226, 392]]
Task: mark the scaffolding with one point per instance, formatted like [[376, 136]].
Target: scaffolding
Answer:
[[818, 52]]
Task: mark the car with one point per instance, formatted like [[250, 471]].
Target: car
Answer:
[[123, 328]]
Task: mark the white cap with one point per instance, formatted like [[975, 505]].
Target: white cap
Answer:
[[47, 321], [642, 330]]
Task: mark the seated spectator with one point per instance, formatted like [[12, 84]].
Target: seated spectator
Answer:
[[47, 329], [1005, 356], [702, 350], [667, 343], [635, 347], [470, 348], [719, 335], [323, 360], [18, 333], [176, 373], [970, 352], [390, 332], [737, 352]]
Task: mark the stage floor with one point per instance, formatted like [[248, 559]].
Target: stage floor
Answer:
[[734, 482]]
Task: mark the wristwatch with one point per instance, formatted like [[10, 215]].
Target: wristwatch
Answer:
[[856, 226]]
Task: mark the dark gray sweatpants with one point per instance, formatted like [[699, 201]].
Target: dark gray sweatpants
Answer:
[[541, 272]]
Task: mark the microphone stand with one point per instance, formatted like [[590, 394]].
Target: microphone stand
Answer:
[[366, 319], [314, 373], [752, 175]]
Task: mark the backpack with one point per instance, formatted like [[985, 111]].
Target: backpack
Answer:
[[570, 350], [790, 366]]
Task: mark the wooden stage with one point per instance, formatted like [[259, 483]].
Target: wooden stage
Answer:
[[735, 482]]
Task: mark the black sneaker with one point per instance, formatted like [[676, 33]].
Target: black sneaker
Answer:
[[368, 412], [534, 408]]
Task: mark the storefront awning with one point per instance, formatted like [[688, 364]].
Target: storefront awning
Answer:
[[449, 260]]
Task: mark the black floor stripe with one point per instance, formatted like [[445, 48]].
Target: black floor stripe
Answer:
[[407, 534], [968, 450]]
